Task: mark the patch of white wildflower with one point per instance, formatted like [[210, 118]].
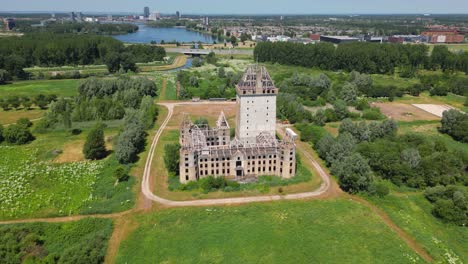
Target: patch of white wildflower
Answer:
[[29, 186]]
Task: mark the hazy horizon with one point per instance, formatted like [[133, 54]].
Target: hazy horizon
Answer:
[[242, 7]]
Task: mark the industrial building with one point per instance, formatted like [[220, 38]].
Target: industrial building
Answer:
[[338, 39]]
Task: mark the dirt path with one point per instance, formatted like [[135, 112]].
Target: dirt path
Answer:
[[146, 183], [409, 240], [162, 94], [124, 225]]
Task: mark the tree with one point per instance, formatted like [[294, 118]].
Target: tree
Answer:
[[349, 93], [112, 61], [17, 134], [221, 72], [211, 58], [5, 105], [455, 123], [197, 62], [341, 110], [131, 140], [411, 157], [233, 40], [1, 133], [128, 62], [95, 146], [171, 157], [193, 81], [354, 173], [4, 76], [148, 112], [14, 101]]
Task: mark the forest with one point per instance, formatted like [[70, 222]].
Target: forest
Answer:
[[80, 28], [50, 50], [363, 155], [362, 57]]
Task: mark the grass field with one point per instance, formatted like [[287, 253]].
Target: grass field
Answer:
[[424, 98], [12, 116], [32, 88], [412, 212], [49, 183], [332, 231], [83, 241]]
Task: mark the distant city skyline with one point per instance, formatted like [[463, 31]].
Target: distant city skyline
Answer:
[[243, 6]]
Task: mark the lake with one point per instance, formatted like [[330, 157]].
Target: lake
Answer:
[[147, 34]]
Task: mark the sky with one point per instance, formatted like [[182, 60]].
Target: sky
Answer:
[[244, 6]]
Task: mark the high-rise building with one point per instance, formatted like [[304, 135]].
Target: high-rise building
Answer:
[[146, 12], [79, 17], [10, 23], [72, 16], [177, 14]]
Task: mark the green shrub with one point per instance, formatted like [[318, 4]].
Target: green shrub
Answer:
[[311, 133], [171, 158], [24, 122], [372, 113], [17, 134]]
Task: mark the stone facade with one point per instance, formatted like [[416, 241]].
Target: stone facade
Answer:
[[254, 151]]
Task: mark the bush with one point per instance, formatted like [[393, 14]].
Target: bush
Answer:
[[24, 122], [120, 174], [95, 147], [379, 189], [75, 131], [17, 134], [311, 133], [171, 158], [372, 113], [1, 133], [362, 104]]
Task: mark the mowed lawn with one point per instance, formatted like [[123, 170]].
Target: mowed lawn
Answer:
[[319, 231], [65, 88]]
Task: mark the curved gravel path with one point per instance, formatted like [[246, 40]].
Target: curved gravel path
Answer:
[[146, 189]]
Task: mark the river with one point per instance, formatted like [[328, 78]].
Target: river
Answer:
[[147, 34]]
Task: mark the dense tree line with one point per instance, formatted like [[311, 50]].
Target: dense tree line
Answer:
[[455, 124], [361, 57], [26, 102], [46, 49], [132, 139], [103, 99], [365, 151], [82, 28]]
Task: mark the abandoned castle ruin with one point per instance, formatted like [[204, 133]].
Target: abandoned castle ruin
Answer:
[[255, 150]]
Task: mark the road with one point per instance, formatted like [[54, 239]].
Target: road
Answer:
[[146, 188], [216, 51]]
